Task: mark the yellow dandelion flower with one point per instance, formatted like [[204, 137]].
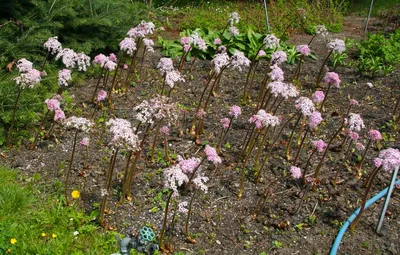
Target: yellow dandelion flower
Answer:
[[13, 240], [8, 250], [75, 194], [53, 235], [43, 234]]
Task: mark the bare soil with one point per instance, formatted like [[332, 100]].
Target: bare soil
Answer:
[[221, 223]]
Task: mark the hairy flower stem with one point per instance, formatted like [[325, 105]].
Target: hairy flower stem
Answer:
[[223, 135], [166, 155], [297, 73], [271, 146], [69, 169], [305, 192], [33, 146], [200, 101], [247, 156], [189, 213], [246, 141], [132, 66], [260, 148], [108, 186], [359, 165], [319, 77], [302, 125], [300, 146], [165, 221], [182, 61], [321, 106], [321, 162], [261, 201], [365, 198], [141, 62], [288, 26], [304, 180], [45, 60], [128, 180], [252, 80], [395, 117], [288, 157], [155, 140], [9, 134], [334, 182], [312, 39], [97, 86], [126, 171]]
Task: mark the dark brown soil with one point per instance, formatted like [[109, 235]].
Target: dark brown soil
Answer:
[[221, 223]]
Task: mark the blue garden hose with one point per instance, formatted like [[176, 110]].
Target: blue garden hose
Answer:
[[347, 223]]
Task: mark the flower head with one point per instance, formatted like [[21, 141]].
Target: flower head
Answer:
[[320, 145], [390, 159], [53, 45], [353, 135], [68, 57], [148, 43], [360, 146], [84, 142], [212, 155], [355, 122], [234, 31], [217, 41], [164, 130], [13, 241], [24, 65], [52, 104], [295, 171], [271, 41], [332, 78], [220, 61], [189, 165], [318, 97], [112, 57], [238, 60], [123, 135], [276, 73], [82, 61], [375, 135], [165, 65], [263, 119], [100, 59], [172, 77], [59, 115], [314, 119], [321, 30], [278, 57], [75, 194], [82, 124], [235, 111], [305, 105], [225, 122], [303, 49], [337, 46], [28, 79], [64, 76], [234, 18], [128, 45], [101, 95]]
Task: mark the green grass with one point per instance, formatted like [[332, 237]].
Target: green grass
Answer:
[[361, 7], [41, 224]]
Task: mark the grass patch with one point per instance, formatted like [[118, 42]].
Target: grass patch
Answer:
[[36, 223]]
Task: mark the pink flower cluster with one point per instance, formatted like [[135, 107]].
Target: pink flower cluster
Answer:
[[318, 97], [239, 60], [314, 119], [52, 104], [59, 115], [305, 105], [278, 88], [263, 119], [164, 130], [212, 155], [234, 18], [271, 41], [84, 142], [276, 73], [235, 111], [220, 61], [337, 46], [53, 45], [101, 95], [332, 78], [148, 43], [82, 124], [67, 56], [123, 135], [188, 165], [320, 145], [303, 49], [225, 122], [128, 45], [321, 30], [295, 171], [165, 65], [172, 77], [28, 78], [24, 65], [375, 135], [141, 30], [353, 135], [278, 57], [389, 159], [355, 122], [64, 76], [234, 31], [107, 63]]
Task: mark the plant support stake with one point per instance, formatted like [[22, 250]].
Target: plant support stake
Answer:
[[369, 15], [266, 15], [387, 200]]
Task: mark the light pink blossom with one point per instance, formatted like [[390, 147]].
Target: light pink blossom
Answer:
[[271, 41], [101, 95], [337, 46], [276, 73], [278, 57], [234, 31], [84, 142], [68, 57], [303, 49], [390, 159], [28, 79], [128, 45], [212, 155], [64, 76], [320, 145], [375, 135], [305, 105], [59, 115], [164, 130], [52, 45], [332, 78], [295, 171], [24, 65], [355, 122], [165, 65], [112, 57], [225, 122], [217, 41], [235, 111], [318, 97], [360, 146], [314, 119], [52, 104]]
